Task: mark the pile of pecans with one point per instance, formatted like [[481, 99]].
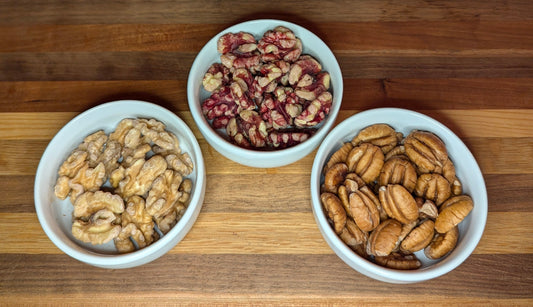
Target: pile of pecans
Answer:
[[388, 197]]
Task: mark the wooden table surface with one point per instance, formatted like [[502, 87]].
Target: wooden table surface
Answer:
[[469, 66]]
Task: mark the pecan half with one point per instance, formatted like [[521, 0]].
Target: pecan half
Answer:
[[398, 203], [452, 212], [366, 160], [426, 150]]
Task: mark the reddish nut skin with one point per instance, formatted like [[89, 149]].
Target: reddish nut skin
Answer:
[[229, 42], [315, 112], [254, 75]]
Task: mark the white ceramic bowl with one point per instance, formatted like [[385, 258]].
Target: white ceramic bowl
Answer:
[[312, 45], [55, 215], [468, 172]]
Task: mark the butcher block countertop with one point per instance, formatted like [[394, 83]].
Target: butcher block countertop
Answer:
[[468, 64]]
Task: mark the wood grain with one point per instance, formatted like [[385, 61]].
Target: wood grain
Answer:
[[468, 64]]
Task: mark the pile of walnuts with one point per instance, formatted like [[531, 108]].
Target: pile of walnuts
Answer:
[[129, 186], [265, 93], [388, 197]]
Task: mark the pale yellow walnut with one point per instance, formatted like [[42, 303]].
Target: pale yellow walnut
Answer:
[[149, 124], [85, 179], [132, 154], [366, 160], [137, 214], [90, 202], [164, 193], [165, 143], [117, 176], [453, 212], [185, 189], [99, 228], [140, 175], [87, 167], [122, 129], [62, 187], [166, 222], [110, 156], [442, 244], [336, 213], [74, 162], [128, 234], [94, 144], [181, 163]]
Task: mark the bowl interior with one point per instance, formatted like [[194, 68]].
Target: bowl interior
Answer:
[[467, 170], [55, 215], [312, 45]]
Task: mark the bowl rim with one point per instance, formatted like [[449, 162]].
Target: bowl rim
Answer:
[[251, 154], [190, 215], [367, 267]]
